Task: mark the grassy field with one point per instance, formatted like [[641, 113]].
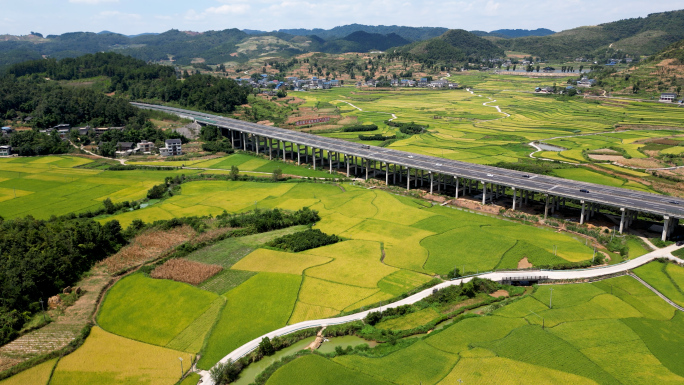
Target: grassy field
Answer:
[[665, 278], [151, 310], [313, 370], [109, 359], [261, 304], [600, 333], [46, 186]]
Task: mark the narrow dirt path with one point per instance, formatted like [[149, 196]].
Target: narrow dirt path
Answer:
[[659, 294]]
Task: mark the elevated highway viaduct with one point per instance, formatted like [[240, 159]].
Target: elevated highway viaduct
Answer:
[[415, 170]]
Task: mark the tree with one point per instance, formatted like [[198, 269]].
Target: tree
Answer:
[[266, 347], [109, 206], [373, 317], [234, 172], [277, 174]]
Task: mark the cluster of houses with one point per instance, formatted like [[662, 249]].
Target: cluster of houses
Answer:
[[293, 82], [64, 129], [422, 83], [172, 147]]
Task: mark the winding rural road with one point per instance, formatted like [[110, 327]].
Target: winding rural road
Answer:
[[494, 276]]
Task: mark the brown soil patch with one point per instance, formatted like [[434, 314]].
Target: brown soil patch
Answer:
[[182, 270], [459, 305], [605, 151], [642, 163], [524, 264], [610, 158], [266, 123], [499, 293], [147, 246], [349, 120]]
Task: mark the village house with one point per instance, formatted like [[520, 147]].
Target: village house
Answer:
[[586, 83], [173, 148], [145, 147], [668, 97], [5, 150]]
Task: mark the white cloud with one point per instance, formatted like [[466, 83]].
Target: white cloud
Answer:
[[93, 1], [491, 7], [228, 9], [120, 15]]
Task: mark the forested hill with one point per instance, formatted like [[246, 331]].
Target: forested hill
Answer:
[[453, 46], [24, 91], [411, 34], [638, 36], [363, 42]]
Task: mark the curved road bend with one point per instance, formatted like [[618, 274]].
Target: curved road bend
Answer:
[[494, 276]]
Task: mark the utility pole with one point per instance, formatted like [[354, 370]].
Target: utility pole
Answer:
[[181, 362]]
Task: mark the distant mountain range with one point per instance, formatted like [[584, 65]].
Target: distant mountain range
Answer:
[[639, 36], [409, 33]]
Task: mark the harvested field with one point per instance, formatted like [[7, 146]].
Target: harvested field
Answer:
[[182, 270], [148, 246], [610, 158], [642, 163]]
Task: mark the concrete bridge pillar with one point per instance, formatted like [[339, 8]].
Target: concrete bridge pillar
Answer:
[[582, 214], [386, 174], [431, 182], [244, 141], [313, 156], [622, 219], [484, 193], [408, 178], [666, 226], [394, 174], [346, 159], [514, 198], [546, 208], [366, 162], [284, 150], [457, 187], [299, 155], [439, 183], [270, 149]]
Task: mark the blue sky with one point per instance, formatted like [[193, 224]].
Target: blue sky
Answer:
[[19, 17]]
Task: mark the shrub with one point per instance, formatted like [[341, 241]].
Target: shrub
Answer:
[[304, 240], [157, 192], [360, 128]]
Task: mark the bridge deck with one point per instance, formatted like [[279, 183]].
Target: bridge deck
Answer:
[[611, 196]]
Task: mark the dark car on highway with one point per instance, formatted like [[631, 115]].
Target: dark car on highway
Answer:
[[584, 191]]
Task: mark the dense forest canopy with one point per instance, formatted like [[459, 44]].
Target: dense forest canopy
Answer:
[[39, 258], [25, 90]]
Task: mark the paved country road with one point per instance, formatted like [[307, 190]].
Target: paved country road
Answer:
[[494, 276]]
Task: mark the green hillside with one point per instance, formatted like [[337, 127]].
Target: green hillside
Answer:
[[637, 36]]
